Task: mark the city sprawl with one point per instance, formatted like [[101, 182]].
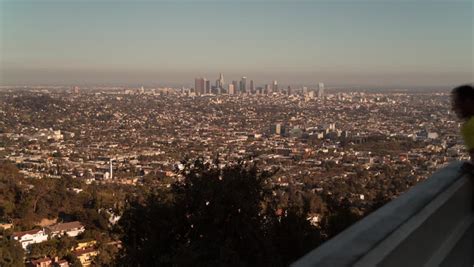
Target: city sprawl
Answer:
[[110, 135], [333, 153]]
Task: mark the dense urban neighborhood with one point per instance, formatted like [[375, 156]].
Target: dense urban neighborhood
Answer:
[[75, 160]]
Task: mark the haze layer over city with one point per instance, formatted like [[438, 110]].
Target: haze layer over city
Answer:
[[150, 133]]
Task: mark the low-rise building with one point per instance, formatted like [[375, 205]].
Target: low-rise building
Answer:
[[86, 255], [48, 262], [83, 244], [44, 262], [71, 229], [61, 263], [6, 225], [30, 237]]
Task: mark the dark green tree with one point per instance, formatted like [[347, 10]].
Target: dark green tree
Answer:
[[73, 260], [214, 217], [11, 253]]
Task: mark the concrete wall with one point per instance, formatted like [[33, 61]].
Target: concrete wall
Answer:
[[430, 225]]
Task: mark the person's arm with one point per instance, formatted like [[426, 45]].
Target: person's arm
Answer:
[[467, 132]]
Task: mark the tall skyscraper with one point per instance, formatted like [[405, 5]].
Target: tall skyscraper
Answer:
[[252, 88], [208, 86], [199, 85], [236, 86], [220, 81], [321, 90], [243, 85], [289, 90], [275, 87], [267, 89], [231, 90]]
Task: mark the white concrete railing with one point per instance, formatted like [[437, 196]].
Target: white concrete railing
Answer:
[[430, 225]]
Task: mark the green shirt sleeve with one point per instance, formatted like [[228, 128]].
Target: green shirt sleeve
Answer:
[[467, 132]]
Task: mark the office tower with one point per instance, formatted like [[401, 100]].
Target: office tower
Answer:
[[231, 90], [236, 86], [196, 84], [199, 85], [278, 129], [305, 90], [208, 86], [275, 87], [267, 89], [252, 88], [321, 90], [289, 90], [243, 85], [220, 81]]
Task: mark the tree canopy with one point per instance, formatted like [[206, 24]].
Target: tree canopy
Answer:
[[213, 217]]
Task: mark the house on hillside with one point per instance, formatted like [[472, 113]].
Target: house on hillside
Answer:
[[82, 244], [43, 262], [71, 229], [30, 237], [48, 262], [86, 255]]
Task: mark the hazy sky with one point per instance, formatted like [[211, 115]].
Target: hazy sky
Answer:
[[395, 43]]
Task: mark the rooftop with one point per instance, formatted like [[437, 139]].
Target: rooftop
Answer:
[[29, 232], [65, 226]]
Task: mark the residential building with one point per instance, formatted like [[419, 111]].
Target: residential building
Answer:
[[30, 237], [70, 228], [43, 262], [86, 256]]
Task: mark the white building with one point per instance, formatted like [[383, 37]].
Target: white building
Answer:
[[70, 228], [432, 135], [30, 237]]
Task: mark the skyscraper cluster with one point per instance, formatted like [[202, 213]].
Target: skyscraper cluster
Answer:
[[203, 86]]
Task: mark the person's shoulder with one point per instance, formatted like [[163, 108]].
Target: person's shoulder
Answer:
[[467, 129], [470, 122]]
